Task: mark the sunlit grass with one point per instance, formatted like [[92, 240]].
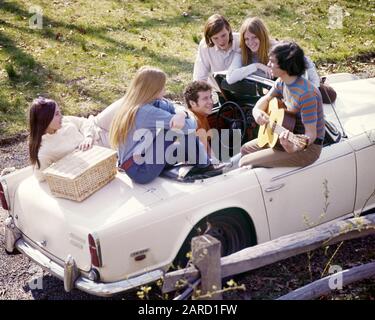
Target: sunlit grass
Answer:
[[87, 51]]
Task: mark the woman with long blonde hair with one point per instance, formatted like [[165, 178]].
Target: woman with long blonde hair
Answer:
[[144, 117], [147, 86], [255, 44]]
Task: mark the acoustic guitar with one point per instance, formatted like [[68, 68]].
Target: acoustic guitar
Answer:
[[279, 120]]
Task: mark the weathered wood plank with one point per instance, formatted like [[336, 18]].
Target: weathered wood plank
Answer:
[[179, 279], [322, 286], [297, 243], [282, 248], [206, 252]]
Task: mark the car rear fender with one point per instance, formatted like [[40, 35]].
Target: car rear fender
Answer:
[[11, 182]]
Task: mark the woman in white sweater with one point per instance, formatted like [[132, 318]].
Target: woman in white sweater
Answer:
[[53, 136], [255, 45]]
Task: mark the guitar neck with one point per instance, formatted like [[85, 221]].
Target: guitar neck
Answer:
[[278, 129]]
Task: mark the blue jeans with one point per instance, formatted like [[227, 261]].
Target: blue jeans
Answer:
[[146, 172]]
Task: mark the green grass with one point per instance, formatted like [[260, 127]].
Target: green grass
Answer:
[[87, 51]]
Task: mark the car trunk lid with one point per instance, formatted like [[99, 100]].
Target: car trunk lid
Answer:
[[61, 227]]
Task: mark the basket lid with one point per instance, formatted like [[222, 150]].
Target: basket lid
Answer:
[[77, 162]]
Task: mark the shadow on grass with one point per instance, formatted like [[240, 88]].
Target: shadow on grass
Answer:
[[30, 79], [33, 75], [172, 63]]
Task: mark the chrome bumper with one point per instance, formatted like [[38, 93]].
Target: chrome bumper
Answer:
[[83, 283]]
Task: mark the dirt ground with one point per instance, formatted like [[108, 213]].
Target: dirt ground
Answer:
[[18, 273]]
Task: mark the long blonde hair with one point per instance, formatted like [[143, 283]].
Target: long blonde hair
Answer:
[[256, 26], [144, 88]]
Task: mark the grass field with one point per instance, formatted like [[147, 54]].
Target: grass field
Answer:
[[87, 51]]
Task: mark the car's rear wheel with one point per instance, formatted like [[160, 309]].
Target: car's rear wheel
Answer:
[[12, 253], [232, 228]]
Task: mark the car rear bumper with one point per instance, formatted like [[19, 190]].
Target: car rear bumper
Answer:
[[72, 278]]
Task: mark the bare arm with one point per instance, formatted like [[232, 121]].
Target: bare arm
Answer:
[[259, 111]]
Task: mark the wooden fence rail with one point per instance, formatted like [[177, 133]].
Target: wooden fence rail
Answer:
[[321, 287], [279, 249]]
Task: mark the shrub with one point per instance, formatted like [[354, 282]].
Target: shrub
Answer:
[[12, 74]]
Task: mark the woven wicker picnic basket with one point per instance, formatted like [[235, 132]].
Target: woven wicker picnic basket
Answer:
[[81, 173]]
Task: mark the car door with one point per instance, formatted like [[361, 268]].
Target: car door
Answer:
[[299, 198], [364, 146]]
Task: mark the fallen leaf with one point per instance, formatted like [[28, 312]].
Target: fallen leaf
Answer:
[[81, 30]]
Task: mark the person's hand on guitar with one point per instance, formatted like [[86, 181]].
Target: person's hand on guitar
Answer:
[[289, 147], [260, 116], [293, 142]]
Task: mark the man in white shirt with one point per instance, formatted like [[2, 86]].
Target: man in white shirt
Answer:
[[216, 50]]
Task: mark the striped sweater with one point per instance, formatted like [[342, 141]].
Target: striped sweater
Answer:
[[303, 99]]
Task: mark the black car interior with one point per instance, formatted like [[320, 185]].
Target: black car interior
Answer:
[[234, 112]]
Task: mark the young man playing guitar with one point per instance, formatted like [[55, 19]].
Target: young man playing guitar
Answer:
[[303, 145]]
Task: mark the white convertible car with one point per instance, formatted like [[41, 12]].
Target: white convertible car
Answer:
[[125, 234]]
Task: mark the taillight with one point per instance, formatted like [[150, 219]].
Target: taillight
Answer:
[[94, 245], [4, 203]]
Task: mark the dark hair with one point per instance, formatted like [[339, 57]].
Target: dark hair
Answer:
[[192, 90], [214, 25], [41, 113], [290, 58]]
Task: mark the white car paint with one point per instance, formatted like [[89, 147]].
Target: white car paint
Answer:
[[156, 218]]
